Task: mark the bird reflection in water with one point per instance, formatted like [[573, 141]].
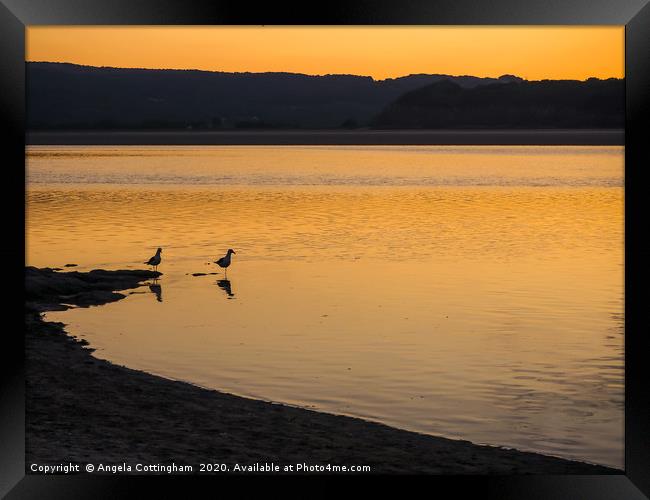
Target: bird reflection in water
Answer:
[[156, 289], [225, 286]]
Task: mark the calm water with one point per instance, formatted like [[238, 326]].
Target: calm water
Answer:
[[468, 292]]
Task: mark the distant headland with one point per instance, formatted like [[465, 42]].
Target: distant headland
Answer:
[[64, 97]]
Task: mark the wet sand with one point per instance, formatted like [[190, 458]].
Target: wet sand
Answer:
[[330, 137], [84, 410]]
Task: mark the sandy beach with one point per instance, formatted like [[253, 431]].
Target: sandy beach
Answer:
[[81, 409]]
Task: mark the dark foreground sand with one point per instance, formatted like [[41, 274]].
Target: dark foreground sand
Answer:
[[330, 137], [83, 410]]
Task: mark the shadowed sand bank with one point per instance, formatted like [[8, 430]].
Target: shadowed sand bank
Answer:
[[83, 410], [564, 137]]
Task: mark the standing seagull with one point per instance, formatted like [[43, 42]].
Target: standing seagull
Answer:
[[155, 260], [224, 262]]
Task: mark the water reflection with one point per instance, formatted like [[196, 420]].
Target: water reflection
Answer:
[[156, 289], [499, 328], [224, 284]]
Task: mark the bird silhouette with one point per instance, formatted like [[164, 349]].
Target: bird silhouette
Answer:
[[155, 260], [224, 261]]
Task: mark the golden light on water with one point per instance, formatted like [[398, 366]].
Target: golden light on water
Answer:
[[472, 292]]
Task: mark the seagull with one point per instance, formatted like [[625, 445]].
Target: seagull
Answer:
[[155, 260], [224, 261]]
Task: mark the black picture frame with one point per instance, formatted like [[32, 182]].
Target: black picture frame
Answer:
[[15, 15]]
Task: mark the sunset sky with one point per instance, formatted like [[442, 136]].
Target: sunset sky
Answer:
[[534, 53]]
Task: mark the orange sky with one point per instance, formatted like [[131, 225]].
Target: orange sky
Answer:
[[556, 52]]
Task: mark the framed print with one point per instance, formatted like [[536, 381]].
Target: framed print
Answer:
[[373, 242]]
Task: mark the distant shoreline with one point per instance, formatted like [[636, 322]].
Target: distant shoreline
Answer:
[[540, 137]]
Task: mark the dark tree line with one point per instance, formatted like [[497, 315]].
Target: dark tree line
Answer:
[[83, 97], [525, 104]]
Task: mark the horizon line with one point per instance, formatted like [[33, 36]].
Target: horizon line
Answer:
[[321, 75]]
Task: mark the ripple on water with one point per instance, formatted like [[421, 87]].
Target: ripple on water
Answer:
[[469, 292]]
